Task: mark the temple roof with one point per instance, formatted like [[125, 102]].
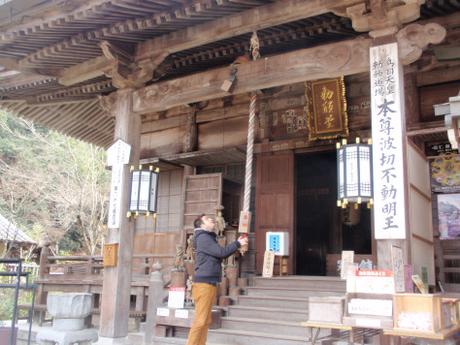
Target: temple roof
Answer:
[[42, 39], [9, 232]]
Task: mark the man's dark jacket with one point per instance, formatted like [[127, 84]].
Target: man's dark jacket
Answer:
[[209, 255]]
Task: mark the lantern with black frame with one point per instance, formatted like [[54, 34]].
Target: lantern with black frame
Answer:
[[144, 191], [354, 172]]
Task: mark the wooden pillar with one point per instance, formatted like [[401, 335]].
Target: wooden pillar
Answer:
[[116, 287]]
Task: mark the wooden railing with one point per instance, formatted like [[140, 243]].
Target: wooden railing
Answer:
[[72, 266], [85, 274]]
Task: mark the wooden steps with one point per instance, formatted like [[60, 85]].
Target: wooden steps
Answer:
[[242, 311], [273, 302], [270, 312]]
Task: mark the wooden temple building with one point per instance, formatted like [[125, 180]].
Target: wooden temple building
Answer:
[[186, 83]]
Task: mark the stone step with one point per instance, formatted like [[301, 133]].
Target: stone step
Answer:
[[237, 337], [173, 341], [288, 292], [274, 327], [268, 313], [274, 302], [303, 283], [136, 338]]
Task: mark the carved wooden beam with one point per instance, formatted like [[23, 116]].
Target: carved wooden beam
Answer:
[[384, 17], [332, 60], [254, 19], [414, 38]]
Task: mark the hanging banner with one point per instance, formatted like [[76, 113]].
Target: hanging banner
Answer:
[[326, 109], [387, 137]]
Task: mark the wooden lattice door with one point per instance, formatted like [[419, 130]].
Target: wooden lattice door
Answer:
[[202, 194]]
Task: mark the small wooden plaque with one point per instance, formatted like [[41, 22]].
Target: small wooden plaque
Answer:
[[110, 255], [269, 261]]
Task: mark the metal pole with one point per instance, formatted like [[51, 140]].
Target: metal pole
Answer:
[[31, 314], [251, 128], [16, 297]]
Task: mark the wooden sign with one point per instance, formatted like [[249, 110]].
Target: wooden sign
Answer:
[[371, 281], [419, 283], [117, 155], [389, 178], [245, 222], [346, 261], [397, 261], [326, 109], [269, 262], [110, 255]]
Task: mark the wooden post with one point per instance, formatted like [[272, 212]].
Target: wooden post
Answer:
[[44, 253], [156, 294], [116, 287]]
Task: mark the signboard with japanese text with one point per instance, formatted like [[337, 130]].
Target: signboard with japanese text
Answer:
[[348, 257], [326, 109], [269, 262], [245, 222], [110, 254], [388, 145], [371, 281], [176, 297], [117, 156]]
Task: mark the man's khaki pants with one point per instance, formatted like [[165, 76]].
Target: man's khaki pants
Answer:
[[203, 294]]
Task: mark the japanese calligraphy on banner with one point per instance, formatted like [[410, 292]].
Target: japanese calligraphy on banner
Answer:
[[326, 109], [387, 130]]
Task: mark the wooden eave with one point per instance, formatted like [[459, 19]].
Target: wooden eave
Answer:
[[42, 47]]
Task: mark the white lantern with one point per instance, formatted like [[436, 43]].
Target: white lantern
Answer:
[[144, 191], [354, 172]]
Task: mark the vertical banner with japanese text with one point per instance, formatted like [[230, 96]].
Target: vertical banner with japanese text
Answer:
[[388, 144]]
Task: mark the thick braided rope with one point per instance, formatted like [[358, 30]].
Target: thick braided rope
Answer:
[[251, 128]]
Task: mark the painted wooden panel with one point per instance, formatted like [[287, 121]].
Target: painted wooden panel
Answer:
[[167, 141], [202, 194], [274, 201], [223, 133], [155, 243]]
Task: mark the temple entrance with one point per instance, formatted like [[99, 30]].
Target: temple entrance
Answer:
[[322, 229]]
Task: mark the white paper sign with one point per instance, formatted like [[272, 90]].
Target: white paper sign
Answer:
[[181, 313], [368, 323], [371, 281], [347, 260], [163, 312], [117, 156], [387, 147], [176, 297], [375, 307]]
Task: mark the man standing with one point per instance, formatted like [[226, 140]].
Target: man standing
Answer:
[[208, 272]]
